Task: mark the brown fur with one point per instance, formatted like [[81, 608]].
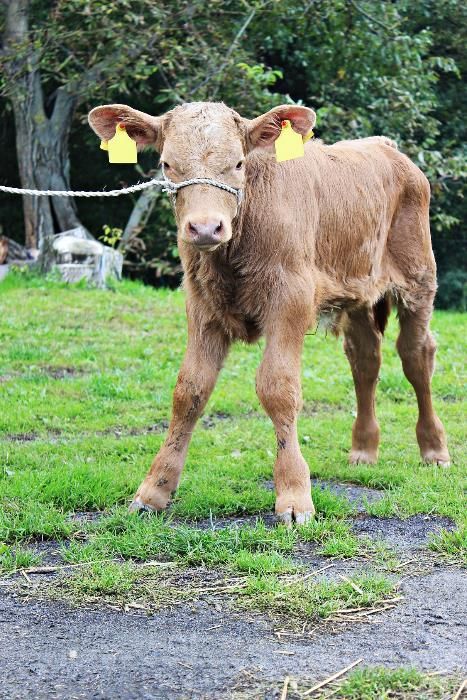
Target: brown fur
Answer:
[[343, 231]]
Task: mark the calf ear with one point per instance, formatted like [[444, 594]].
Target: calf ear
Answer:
[[264, 130], [142, 128]]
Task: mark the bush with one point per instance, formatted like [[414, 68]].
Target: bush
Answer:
[[452, 291]]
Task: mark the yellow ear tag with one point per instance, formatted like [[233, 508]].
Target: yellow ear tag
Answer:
[[308, 136], [121, 148], [289, 144], [104, 146]]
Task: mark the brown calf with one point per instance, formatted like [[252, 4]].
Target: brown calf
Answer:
[[344, 230]]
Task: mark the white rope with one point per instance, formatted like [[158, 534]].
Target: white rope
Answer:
[[166, 184]]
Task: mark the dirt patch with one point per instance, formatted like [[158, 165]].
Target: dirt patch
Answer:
[[315, 408], [217, 523], [120, 431], [208, 421], [212, 419], [50, 436], [404, 535], [61, 372], [358, 496], [22, 437], [53, 651]]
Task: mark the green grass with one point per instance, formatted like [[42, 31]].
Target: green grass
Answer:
[[369, 683], [145, 538], [334, 535], [451, 543], [24, 519], [17, 558], [383, 683], [87, 378], [311, 600], [103, 578]]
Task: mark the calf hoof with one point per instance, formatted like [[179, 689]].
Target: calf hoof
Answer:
[[441, 459], [137, 506], [363, 457], [149, 498], [290, 509], [289, 517]]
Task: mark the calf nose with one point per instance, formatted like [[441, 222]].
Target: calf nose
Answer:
[[207, 233]]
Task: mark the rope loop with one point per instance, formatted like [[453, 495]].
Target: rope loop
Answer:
[[171, 188]]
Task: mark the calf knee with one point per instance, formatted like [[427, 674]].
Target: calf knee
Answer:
[[364, 361], [279, 394], [417, 354], [190, 394]]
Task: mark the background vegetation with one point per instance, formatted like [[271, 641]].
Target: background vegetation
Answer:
[[392, 67]]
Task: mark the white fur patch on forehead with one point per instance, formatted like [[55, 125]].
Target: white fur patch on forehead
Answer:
[[208, 120], [200, 110], [212, 130]]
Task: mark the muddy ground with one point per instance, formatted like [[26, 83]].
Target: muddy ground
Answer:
[[204, 650]]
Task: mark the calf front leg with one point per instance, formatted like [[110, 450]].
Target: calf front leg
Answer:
[[279, 390], [203, 360]]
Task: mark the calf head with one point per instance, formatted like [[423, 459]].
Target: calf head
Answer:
[[202, 140]]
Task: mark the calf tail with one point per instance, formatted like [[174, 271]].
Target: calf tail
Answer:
[[381, 311]]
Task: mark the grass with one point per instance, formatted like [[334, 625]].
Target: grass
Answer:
[[153, 537], [311, 600], [452, 544], [87, 377], [17, 558], [379, 683], [107, 578], [368, 683]]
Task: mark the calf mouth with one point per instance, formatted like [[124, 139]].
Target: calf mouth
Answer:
[[207, 248]]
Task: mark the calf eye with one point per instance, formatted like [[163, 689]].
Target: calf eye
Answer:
[[165, 166], [239, 165]]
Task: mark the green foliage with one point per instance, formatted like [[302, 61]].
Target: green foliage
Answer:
[[103, 578], [314, 599], [380, 683], [452, 290], [111, 236], [16, 558], [453, 543], [393, 68]]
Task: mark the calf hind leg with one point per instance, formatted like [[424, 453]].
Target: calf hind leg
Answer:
[[416, 348], [362, 346]]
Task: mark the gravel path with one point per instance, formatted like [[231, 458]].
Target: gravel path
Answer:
[[49, 650]]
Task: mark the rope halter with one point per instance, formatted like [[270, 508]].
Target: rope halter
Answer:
[[173, 187]]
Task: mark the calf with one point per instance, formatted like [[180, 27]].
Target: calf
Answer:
[[345, 229]]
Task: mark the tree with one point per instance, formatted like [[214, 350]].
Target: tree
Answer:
[[50, 64], [392, 67], [54, 60]]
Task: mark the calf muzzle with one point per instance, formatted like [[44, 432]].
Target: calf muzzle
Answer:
[[205, 235]]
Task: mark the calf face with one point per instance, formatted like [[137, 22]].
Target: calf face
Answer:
[[202, 140]]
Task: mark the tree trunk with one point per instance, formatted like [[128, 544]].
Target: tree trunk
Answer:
[[41, 141], [139, 216]]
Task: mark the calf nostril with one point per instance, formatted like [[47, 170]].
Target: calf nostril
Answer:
[[209, 229]]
